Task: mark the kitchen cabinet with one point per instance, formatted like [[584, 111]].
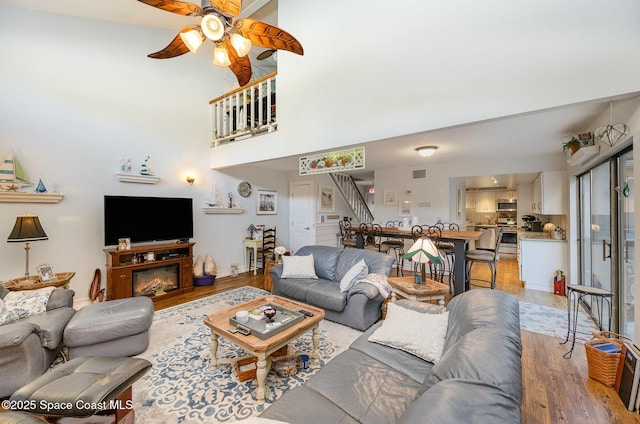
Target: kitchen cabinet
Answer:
[[539, 259], [508, 194], [469, 200], [549, 193], [486, 201]]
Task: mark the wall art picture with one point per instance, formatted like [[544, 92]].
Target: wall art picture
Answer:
[[326, 199], [389, 197], [46, 272], [405, 208], [267, 202]]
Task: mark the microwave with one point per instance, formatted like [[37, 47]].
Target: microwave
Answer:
[[506, 205]]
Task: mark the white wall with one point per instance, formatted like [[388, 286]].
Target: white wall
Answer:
[[372, 70], [77, 96]]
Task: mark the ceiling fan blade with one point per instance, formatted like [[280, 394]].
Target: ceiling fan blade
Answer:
[[175, 48], [266, 54], [176, 6], [229, 8], [240, 66], [265, 35]]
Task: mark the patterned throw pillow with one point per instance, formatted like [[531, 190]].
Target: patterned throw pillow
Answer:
[[298, 267], [415, 332], [21, 304]]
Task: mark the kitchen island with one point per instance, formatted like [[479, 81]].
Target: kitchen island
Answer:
[[539, 256]]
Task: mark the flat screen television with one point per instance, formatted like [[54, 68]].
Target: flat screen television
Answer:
[[147, 219]]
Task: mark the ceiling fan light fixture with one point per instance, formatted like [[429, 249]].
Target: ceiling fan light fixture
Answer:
[[212, 27], [241, 44], [426, 151], [221, 56], [192, 39]]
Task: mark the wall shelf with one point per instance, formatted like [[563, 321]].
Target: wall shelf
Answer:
[[207, 209], [137, 178], [583, 155], [19, 197]]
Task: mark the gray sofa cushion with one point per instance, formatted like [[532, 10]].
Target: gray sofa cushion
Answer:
[[469, 312], [326, 294], [463, 401], [3, 291], [487, 354], [295, 288], [366, 389], [303, 405], [60, 298], [378, 263], [325, 259]]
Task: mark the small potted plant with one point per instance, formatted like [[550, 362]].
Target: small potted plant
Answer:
[[573, 144]]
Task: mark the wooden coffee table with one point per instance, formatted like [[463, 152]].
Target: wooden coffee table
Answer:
[[429, 290], [219, 324]]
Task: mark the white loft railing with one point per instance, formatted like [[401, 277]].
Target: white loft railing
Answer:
[[244, 112]]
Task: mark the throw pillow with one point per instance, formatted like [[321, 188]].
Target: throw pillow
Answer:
[[21, 304], [3, 291], [210, 267], [198, 267], [298, 267], [427, 308], [355, 274], [414, 332]]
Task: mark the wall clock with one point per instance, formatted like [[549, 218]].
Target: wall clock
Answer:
[[244, 189]]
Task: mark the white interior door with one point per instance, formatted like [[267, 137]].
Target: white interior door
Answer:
[[302, 213]]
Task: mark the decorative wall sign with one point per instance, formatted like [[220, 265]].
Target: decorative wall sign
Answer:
[[339, 161]]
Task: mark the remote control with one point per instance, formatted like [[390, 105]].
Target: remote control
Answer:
[[245, 331], [307, 313]]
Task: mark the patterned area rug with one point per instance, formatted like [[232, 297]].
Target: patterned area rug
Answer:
[[553, 322], [181, 387]]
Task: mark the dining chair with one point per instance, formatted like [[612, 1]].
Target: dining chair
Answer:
[[347, 237], [396, 246], [373, 238], [487, 256], [267, 249], [448, 249]]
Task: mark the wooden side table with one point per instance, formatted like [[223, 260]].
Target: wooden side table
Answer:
[[61, 280], [268, 283], [429, 290]]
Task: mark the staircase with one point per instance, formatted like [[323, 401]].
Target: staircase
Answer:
[[350, 193]]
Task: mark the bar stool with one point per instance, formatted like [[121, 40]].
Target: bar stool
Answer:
[[396, 246], [575, 294]]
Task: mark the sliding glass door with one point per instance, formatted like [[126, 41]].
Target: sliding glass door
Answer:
[[606, 237]]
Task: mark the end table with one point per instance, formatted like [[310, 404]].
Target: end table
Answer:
[[429, 290]]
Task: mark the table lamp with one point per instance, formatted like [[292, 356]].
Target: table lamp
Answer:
[[423, 251], [26, 229]]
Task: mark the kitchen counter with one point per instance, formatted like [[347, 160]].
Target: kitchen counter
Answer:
[[530, 235]]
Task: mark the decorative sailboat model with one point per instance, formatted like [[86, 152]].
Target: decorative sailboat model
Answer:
[[12, 176]]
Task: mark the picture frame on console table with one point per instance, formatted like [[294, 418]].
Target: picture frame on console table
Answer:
[[267, 202], [46, 272]]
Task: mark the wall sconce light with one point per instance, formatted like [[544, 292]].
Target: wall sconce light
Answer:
[[426, 150], [190, 179]]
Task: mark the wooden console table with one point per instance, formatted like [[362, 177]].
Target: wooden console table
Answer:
[[121, 267]]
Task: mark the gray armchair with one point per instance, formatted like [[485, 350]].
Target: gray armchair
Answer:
[[28, 346]]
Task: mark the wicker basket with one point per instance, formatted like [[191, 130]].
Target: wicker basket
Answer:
[[251, 370], [603, 366]]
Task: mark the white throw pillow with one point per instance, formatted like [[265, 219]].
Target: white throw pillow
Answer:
[[198, 267], [21, 304], [355, 274], [298, 267], [418, 333], [210, 267]]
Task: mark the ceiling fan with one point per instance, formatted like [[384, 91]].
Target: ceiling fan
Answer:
[[233, 39]]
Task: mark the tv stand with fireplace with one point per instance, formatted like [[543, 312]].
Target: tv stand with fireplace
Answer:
[[154, 270]]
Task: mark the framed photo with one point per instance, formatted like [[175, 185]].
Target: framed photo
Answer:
[[389, 197], [124, 244], [326, 199], [46, 272], [267, 202], [405, 208]]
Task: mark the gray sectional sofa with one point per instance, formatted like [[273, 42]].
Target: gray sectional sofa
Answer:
[[359, 307], [29, 345], [478, 379]]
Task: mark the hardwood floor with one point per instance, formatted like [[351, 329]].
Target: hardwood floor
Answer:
[[555, 389]]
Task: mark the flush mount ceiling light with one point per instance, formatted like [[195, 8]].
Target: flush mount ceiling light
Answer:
[[232, 39], [426, 150]]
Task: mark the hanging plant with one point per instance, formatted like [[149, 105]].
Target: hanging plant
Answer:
[[572, 144]]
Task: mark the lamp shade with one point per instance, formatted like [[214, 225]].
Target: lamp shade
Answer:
[[192, 39], [241, 44], [423, 251], [27, 228], [221, 56]]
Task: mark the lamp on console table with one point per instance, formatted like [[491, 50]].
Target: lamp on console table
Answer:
[[26, 229], [423, 252]]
